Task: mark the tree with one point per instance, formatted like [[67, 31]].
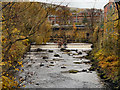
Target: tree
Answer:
[[22, 23], [118, 9], [85, 19], [91, 20]]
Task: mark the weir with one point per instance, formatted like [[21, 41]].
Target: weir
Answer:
[[69, 46]]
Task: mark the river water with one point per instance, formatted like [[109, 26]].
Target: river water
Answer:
[[52, 68]]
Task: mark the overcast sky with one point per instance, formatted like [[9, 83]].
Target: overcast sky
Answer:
[[79, 3]]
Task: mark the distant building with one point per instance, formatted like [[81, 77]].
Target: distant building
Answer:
[[78, 18], [110, 14]]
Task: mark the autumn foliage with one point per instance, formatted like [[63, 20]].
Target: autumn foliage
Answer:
[[106, 41], [22, 24]]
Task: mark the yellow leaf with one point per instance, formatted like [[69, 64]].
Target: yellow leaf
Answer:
[[16, 69], [2, 63]]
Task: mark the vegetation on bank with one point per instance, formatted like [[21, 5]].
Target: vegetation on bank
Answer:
[[22, 24], [107, 67], [105, 55]]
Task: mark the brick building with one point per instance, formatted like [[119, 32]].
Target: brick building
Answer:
[[78, 18], [110, 14]]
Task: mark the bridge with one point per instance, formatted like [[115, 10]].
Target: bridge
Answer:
[[67, 27]]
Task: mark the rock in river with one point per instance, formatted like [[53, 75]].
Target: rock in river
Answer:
[[37, 83], [79, 53], [29, 65], [84, 70], [56, 55], [51, 62], [41, 64], [51, 51], [62, 49], [77, 62], [86, 61], [45, 57], [63, 67], [39, 49], [73, 71]]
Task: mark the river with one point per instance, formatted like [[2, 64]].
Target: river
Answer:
[[46, 66]]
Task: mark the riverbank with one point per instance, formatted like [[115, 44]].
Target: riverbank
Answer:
[[107, 67]]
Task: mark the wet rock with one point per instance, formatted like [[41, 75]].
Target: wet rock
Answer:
[[51, 65], [39, 49], [74, 50], [63, 67], [29, 65], [56, 55], [41, 64], [37, 83], [46, 60], [47, 66], [77, 62], [73, 71], [84, 70], [92, 46], [67, 50], [45, 57], [79, 53], [51, 51], [86, 61], [62, 49], [75, 53], [51, 62], [92, 68], [67, 53]]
